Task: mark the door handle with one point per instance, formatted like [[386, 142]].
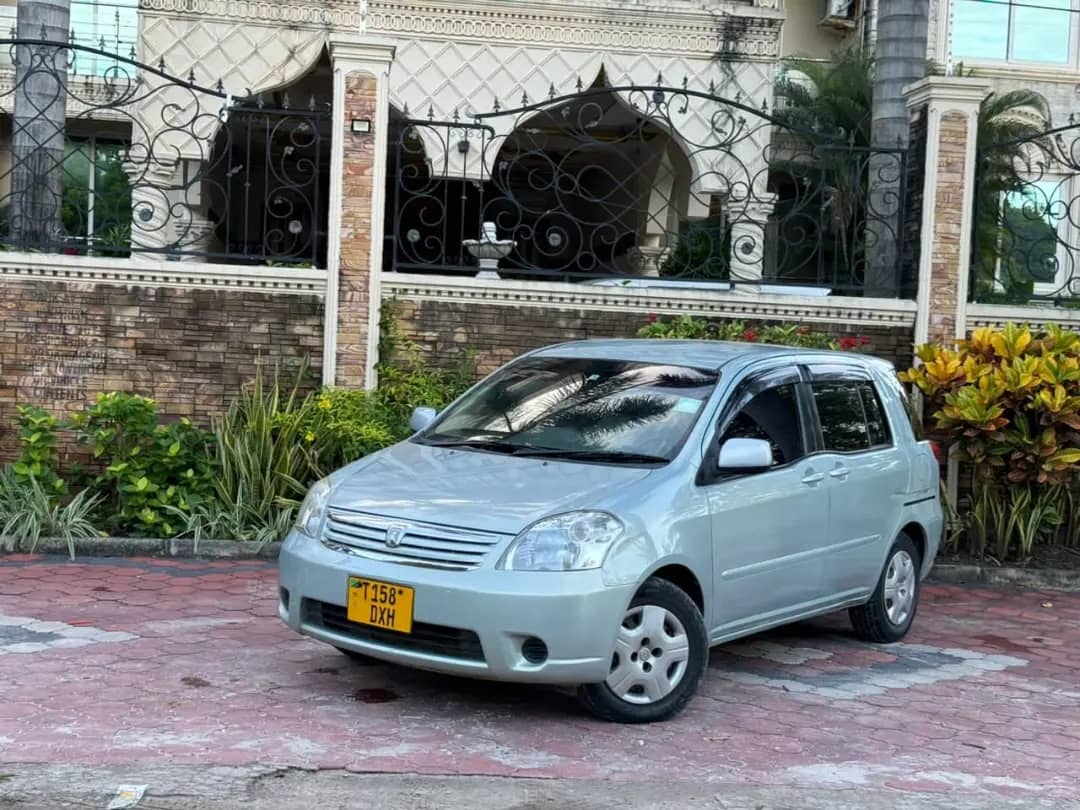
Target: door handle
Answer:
[[813, 478], [840, 472]]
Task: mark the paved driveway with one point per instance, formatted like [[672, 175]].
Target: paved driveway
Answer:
[[129, 662]]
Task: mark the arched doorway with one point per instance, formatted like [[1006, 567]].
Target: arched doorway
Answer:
[[585, 187], [266, 192]]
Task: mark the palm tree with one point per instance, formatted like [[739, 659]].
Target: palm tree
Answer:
[[832, 98], [38, 122], [827, 108], [835, 99]]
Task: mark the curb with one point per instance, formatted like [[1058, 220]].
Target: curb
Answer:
[[179, 548], [1053, 578]]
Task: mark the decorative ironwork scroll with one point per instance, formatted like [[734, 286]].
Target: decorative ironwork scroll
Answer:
[[611, 185], [139, 162]]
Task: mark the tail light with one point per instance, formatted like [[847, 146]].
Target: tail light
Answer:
[[939, 451]]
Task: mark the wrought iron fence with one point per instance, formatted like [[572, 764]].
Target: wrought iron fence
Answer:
[[1026, 228], [613, 185], [136, 161]]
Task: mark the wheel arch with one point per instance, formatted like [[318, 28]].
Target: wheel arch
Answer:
[[680, 575], [917, 533]]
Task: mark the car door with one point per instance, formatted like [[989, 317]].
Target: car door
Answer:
[[766, 526], [866, 473]]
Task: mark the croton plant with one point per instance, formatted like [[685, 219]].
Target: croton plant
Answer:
[[1010, 398]]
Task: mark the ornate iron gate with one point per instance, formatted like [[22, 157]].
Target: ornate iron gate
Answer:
[[135, 160], [628, 182], [1026, 228]]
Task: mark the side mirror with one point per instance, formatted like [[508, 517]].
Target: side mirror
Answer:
[[421, 418], [745, 455]]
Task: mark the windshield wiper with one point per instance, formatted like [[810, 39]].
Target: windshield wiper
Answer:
[[602, 456], [531, 451], [480, 444]]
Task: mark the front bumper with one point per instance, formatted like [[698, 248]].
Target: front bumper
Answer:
[[573, 613]]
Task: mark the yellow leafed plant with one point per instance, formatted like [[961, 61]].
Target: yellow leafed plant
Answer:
[[1010, 398]]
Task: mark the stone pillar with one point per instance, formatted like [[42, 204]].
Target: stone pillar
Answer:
[[748, 243], [951, 107], [152, 228], [361, 67]]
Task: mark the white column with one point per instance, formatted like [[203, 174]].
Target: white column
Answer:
[[350, 53]]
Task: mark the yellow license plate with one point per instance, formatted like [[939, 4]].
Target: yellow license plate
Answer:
[[380, 604]]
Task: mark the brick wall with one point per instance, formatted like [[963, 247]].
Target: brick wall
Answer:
[[61, 344], [443, 330]]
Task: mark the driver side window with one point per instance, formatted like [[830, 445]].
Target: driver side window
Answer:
[[772, 415]]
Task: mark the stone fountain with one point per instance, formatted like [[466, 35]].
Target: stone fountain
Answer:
[[489, 250]]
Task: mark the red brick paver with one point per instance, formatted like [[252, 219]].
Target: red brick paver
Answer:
[[129, 661]]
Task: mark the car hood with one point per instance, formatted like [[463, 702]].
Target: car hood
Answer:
[[476, 490]]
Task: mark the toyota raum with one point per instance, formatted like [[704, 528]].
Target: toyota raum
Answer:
[[599, 514]]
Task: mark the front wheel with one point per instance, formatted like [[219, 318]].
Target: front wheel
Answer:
[[661, 652], [887, 617]]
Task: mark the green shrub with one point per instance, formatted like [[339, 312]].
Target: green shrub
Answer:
[[264, 462], [37, 454], [406, 381], [684, 327], [30, 511], [341, 425], [148, 472]]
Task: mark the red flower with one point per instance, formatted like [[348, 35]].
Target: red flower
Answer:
[[864, 340], [750, 336], [848, 343], [651, 317]]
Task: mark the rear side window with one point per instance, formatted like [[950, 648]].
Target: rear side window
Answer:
[[772, 415], [840, 411], [877, 426]]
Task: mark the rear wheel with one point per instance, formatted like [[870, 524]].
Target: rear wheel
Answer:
[[661, 652], [887, 617]]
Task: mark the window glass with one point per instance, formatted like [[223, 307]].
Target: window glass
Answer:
[[772, 415], [877, 426], [111, 26], [1001, 30], [580, 404], [840, 410], [980, 30], [75, 200], [96, 201], [1040, 31], [1028, 240]]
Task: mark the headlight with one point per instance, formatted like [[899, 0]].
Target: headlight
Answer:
[[571, 542], [309, 518]]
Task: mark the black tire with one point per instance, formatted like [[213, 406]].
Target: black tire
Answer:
[[599, 699], [872, 621], [358, 658]]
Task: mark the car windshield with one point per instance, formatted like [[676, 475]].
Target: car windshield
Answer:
[[602, 410]]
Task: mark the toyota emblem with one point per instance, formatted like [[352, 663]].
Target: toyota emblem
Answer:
[[394, 535]]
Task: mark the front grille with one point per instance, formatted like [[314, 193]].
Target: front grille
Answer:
[[434, 639], [425, 544]]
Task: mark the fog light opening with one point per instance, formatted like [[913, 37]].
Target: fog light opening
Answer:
[[534, 651], [284, 595]]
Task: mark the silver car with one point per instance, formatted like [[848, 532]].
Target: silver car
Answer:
[[601, 513]]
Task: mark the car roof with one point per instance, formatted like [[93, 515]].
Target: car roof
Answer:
[[710, 354]]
